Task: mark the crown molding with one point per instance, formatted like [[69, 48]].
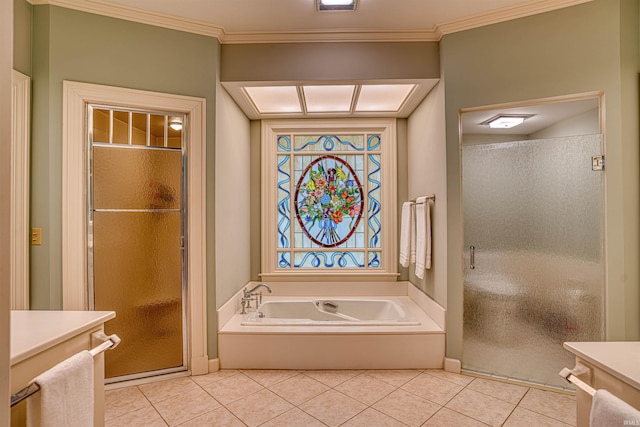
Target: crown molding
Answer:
[[207, 29], [138, 15], [504, 14], [331, 36]]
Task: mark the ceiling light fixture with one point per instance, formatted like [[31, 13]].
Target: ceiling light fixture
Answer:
[[175, 123], [387, 97], [336, 5], [330, 98], [506, 121], [274, 99]]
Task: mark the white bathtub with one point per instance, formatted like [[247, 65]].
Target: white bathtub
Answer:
[[379, 325], [330, 312]]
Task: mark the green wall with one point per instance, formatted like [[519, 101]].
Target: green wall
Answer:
[[77, 46], [22, 18], [590, 47]]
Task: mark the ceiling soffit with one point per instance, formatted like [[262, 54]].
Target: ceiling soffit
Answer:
[[225, 37]]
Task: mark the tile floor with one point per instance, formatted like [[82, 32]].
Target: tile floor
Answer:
[[367, 398]]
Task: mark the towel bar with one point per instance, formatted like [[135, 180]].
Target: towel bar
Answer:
[[431, 197], [111, 342], [568, 376]]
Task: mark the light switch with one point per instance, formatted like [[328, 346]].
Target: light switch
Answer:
[[36, 236]]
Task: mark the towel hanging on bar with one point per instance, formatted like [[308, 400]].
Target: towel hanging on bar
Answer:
[[33, 388], [423, 236]]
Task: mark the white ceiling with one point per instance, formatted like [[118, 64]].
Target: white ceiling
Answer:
[[235, 21]]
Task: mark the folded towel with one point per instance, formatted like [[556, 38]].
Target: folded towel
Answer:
[[423, 236], [607, 411], [66, 394], [406, 235]]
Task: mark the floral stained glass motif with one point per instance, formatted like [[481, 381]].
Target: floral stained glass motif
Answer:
[[328, 201]]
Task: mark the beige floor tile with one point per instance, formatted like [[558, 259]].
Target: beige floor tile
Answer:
[[269, 377], [259, 407], [178, 409], [406, 407], [395, 377], [448, 418], [365, 389], [230, 389], [124, 400], [458, 379], [559, 406], [336, 397], [511, 393], [332, 407], [146, 417], [294, 418], [220, 417], [524, 418], [432, 388], [299, 389], [332, 377], [370, 417], [481, 407], [204, 380], [163, 390]]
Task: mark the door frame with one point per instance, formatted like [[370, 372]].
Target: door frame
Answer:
[[20, 156], [74, 200]]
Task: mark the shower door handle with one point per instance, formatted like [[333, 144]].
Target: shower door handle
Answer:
[[472, 257]]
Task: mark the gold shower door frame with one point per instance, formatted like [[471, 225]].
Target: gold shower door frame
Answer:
[[136, 238]]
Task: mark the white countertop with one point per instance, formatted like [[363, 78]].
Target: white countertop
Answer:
[[35, 331], [618, 358]]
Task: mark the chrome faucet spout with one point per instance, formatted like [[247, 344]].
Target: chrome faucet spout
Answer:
[[247, 292]]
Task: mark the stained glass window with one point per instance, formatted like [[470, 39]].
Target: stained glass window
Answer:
[[329, 201]]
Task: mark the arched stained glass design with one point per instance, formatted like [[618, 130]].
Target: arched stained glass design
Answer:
[[329, 201]]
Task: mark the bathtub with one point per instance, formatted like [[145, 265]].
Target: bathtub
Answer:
[[330, 312], [386, 325]]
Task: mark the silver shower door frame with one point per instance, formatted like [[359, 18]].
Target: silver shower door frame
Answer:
[[183, 221]]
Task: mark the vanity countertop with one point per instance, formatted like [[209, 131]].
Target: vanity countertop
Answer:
[[34, 331], [618, 358]]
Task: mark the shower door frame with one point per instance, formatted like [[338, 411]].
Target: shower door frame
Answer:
[[91, 211], [76, 96]]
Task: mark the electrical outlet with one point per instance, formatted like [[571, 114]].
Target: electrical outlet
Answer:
[[36, 236]]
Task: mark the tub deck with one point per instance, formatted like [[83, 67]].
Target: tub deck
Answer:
[[333, 347]]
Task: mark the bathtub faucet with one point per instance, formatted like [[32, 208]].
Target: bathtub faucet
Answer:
[[246, 292], [252, 295]]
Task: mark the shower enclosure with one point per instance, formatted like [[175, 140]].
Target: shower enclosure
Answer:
[[136, 218], [533, 234]]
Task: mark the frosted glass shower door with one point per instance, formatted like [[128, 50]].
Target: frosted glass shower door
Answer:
[[136, 240], [534, 274]]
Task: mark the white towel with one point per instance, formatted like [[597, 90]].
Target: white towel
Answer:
[[607, 411], [66, 394], [423, 236], [407, 233]]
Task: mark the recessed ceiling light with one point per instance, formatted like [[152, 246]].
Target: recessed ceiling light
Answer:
[[383, 97], [505, 121], [175, 123], [328, 98], [275, 99], [328, 5]]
